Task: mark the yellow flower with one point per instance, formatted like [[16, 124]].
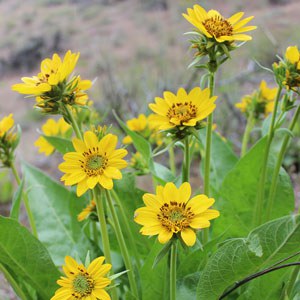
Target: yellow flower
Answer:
[[214, 26], [182, 109], [84, 283], [93, 162], [171, 211], [6, 124], [260, 102], [53, 71], [87, 211], [51, 128], [136, 124], [293, 56]]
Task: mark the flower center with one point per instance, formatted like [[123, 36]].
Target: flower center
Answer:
[[182, 111], [175, 216], [83, 284], [218, 26], [94, 163]]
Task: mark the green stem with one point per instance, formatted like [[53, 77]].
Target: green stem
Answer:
[[186, 161], [13, 283], [278, 165], [104, 233], [95, 232], [25, 200], [249, 127], [291, 282], [73, 123], [172, 160], [208, 153], [127, 228], [123, 247], [173, 271], [261, 188]]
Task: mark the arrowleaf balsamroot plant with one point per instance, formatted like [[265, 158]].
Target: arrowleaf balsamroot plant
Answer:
[[239, 231]]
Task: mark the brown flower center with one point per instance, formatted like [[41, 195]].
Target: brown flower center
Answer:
[[218, 26], [94, 163], [175, 216], [182, 111]]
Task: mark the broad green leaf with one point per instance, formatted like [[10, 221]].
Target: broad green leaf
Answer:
[[60, 144], [55, 211], [223, 160], [239, 192], [239, 258], [162, 174], [16, 202], [27, 257], [153, 281]]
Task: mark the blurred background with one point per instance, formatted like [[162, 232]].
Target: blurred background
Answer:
[[135, 49]]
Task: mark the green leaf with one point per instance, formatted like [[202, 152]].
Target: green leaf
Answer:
[[153, 281], [162, 174], [239, 192], [16, 202], [60, 144], [162, 253], [223, 160], [239, 258], [55, 211], [27, 258]]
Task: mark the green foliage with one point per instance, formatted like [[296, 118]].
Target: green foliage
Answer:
[[239, 191], [27, 258], [55, 211], [238, 258], [62, 145], [16, 203]]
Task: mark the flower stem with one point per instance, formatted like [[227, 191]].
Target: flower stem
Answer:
[[278, 165], [95, 232], [13, 283], [173, 271], [73, 123], [186, 160], [127, 228], [104, 233], [208, 152], [172, 160], [25, 200], [249, 127], [261, 188], [122, 244]]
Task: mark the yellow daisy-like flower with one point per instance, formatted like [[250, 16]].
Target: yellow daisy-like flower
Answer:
[[260, 102], [51, 128], [53, 71], [87, 211], [93, 162], [182, 109], [6, 124], [136, 124], [83, 283], [214, 26], [171, 211]]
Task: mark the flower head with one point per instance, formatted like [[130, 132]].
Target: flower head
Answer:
[[51, 128], [84, 283], [214, 26], [87, 211], [259, 103], [6, 124], [171, 212], [182, 110], [93, 162], [52, 86]]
